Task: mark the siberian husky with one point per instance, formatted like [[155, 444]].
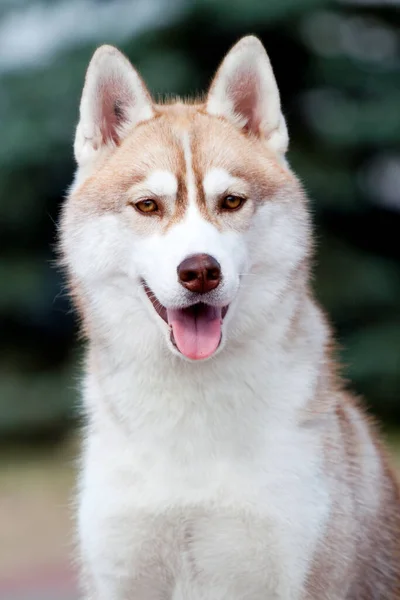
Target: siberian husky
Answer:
[[223, 459]]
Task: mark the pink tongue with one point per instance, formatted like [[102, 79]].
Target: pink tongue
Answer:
[[196, 330]]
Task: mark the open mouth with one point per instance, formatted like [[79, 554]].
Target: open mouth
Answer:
[[195, 330]]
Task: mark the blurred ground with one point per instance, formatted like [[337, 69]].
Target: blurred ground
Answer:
[[36, 492]]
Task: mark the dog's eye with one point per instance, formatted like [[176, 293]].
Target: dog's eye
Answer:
[[146, 206], [232, 202]]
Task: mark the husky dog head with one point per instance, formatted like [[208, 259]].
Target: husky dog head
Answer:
[[183, 219]]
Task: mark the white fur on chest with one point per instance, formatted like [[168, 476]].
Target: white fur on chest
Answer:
[[191, 509]]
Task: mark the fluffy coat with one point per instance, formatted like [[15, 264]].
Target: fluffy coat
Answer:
[[247, 473]]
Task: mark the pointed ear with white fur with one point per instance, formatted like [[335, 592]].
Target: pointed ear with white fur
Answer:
[[245, 92], [114, 100]]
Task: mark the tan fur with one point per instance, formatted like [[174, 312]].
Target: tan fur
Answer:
[[156, 144], [367, 567]]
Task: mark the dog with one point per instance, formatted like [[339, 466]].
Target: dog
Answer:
[[223, 458]]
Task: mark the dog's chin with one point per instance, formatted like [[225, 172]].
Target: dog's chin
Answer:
[[194, 332]]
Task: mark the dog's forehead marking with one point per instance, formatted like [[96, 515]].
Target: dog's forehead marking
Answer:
[[161, 183], [189, 194], [217, 181], [196, 202], [189, 172]]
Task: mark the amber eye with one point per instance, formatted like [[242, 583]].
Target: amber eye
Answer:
[[232, 202], [146, 206]]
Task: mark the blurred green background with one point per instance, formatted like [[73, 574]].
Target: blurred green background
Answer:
[[337, 64], [338, 68]]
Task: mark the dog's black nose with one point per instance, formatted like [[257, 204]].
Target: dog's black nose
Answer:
[[199, 273]]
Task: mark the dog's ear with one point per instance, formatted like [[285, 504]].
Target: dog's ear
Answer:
[[114, 100], [245, 92]]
